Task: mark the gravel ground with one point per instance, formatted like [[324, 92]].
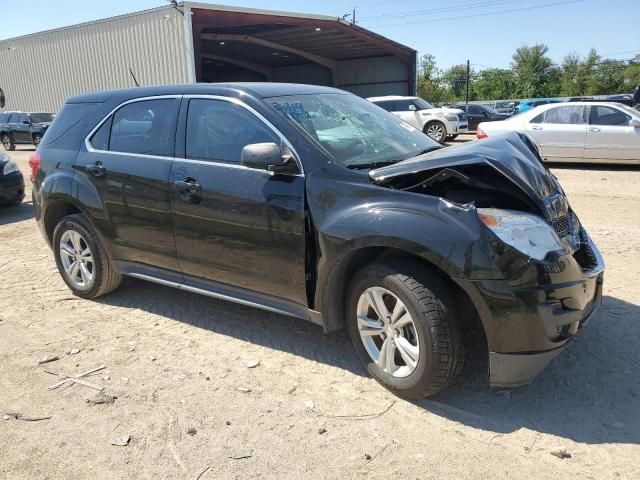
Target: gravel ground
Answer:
[[177, 361]]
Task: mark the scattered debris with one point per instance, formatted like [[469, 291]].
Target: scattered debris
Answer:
[[101, 398], [106, 377], [121, 441], [292, 389], [73, 351], [309, 404], [78, 379], [47, 359], [19, 416], [242, 454], [191, 431], [244, 389], [124, 380], [152, 358], [560, 452], [207, 378], [228, 422], [203, 472], [367, 456], [180, 376], [253, 364], [322, 430]]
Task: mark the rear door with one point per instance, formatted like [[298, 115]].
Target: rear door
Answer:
[[609, 136], [475, 115], [21, 128], [127, 162], [236, 225], [560, 132]]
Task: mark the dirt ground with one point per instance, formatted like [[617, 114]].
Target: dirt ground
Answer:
[[176, 360]]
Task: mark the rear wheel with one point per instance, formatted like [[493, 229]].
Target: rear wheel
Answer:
[[403, 325], [37, 138], [7, 142], [436, 130], [82, 260]]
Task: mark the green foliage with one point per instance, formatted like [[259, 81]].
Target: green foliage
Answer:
[[532, 74]]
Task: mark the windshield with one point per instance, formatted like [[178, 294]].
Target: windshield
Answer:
[[422, 104], [41, 117], [489, 109], [354, 132]]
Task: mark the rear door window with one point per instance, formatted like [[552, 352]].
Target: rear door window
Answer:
[[13, 118], [144, 127], [601, 115], [388, 105], [565, 115], [474, 110], [218, 130], [403, 105], [4, 117]]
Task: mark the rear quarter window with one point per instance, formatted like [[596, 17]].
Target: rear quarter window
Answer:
[[4, 117], [70, 115]]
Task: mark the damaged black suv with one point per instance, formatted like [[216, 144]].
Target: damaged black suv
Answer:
[[311, 202]]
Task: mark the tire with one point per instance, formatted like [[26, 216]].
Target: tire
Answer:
[[436, 130], [37, 138], [7, 142], [434, 332], [76, 231]]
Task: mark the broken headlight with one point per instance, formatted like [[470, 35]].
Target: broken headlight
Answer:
[[525, 232]]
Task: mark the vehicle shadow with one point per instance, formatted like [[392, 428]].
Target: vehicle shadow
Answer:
[[589, 393], [9, 215]]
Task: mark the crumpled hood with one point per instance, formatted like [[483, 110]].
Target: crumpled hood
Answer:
[[512, 154]]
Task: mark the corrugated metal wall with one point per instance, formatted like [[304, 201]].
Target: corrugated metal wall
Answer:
[[38, 72], [372, 77]]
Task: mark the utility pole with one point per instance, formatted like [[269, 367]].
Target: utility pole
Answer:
[[467, 96], [353, 17]]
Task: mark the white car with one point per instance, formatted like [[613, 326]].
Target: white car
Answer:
[[438, 123], [598, 132]]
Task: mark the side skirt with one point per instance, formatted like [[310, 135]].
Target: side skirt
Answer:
[[218, 290]]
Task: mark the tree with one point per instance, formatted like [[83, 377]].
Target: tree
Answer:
[[533, 70], [429, 80], [494, 84], [455, 79], [570, 82]]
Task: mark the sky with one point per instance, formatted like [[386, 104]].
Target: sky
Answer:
[[485, 32]]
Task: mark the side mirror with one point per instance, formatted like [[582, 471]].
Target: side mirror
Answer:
[[412, 108], [26, 122], [634, 123], [269, 157]]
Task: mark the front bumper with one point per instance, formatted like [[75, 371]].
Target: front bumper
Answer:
[[530, 318], [11, 187]]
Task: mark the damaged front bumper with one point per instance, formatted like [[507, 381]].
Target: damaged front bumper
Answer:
[[532, 316]]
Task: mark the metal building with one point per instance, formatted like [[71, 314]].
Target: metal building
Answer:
[[196, 42]]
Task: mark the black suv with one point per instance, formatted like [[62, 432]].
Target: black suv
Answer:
[[312, 202], [23, 128]]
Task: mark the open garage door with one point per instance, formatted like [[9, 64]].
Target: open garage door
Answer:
[[237, 44]]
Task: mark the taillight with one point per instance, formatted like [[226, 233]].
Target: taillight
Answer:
[[34, 163], [480, 134]]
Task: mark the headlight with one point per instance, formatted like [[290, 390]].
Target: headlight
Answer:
[[527, 233], [452, 117], [10, 167]]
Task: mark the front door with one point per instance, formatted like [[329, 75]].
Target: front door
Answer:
[[407, 111], [127, 163], [560, 132], [235, 225], [609, 135], [21, 128]]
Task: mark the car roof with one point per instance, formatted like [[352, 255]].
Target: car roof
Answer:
[[260, 89], [390, 97]]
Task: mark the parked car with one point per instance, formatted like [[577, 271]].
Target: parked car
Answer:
[[600, 132], [479, 113], [23, 128], [507, 108], [312, 202], [438, 123], [11, 182], [527, 105], [624, 99]]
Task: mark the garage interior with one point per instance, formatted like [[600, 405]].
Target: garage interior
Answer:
[[254, 45]]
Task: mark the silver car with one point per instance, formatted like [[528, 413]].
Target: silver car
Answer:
[[598, 132]]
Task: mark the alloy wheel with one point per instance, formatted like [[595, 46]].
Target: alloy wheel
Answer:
[[77, 260], [388, 332], [436, 131]]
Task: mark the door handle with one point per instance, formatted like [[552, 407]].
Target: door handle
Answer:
[[536, 127], [188, 185], [97, 169], [594, 129]]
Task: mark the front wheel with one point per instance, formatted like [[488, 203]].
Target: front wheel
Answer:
[[436, 130], [82, 260], [37, 138], [403, 325], [7, 143]]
